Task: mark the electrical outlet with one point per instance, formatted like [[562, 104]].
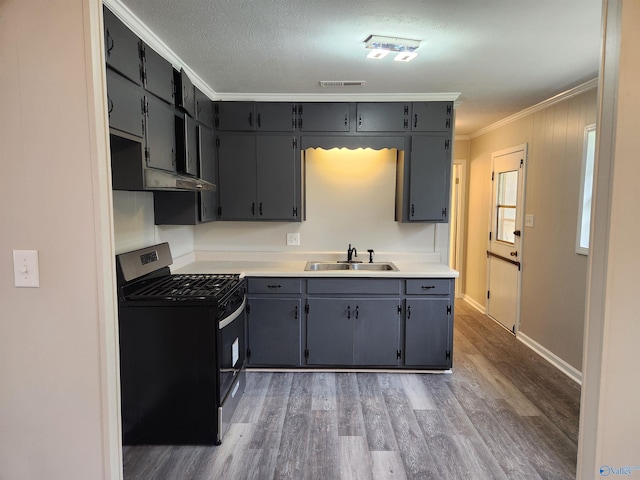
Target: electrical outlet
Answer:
[[293, 238], [25, 268]]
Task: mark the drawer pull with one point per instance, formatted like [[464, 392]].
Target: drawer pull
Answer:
[[428, 287], [274, 286]]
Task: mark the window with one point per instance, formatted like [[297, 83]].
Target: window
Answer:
[[586, 190], [506, 206]]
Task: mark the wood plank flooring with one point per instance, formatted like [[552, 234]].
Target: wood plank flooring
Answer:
[[504, 413]]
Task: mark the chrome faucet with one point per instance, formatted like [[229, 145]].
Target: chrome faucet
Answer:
[[351, 252]]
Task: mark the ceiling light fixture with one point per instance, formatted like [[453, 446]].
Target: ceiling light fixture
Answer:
[[380, 46]]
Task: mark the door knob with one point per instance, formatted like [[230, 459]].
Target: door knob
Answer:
[[514, 254], [517, 233]]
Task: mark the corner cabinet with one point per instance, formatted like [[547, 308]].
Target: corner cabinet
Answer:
[[351, 323]]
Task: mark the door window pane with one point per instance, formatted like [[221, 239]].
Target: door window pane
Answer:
[[586, 189], [506, 206]]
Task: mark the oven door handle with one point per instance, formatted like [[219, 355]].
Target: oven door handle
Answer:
[[227, 321]]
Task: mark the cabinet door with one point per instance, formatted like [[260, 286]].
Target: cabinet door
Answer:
[[160, 124], [122, 47], [275, 117], [430, 172], [324, 117], [237, 176], [382, 117], [428, 333], [126, 105], [204, 109], [432, 117], [377, 332], [277, 176], [187, 145], [235, 116], [273, 331], [206, 160], [157, 74], [330, 331], [185, 93]]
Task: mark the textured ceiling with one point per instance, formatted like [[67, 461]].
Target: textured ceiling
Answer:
[[502, 56]]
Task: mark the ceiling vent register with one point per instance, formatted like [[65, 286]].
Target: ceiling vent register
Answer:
[[342, 83]]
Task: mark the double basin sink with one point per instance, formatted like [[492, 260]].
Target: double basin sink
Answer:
[[342, 266]]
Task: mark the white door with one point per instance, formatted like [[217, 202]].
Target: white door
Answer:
[[504, 255]]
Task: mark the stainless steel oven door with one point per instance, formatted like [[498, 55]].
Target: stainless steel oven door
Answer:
[[231, 348]]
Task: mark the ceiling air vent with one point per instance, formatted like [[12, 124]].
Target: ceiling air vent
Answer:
[[342, 83]]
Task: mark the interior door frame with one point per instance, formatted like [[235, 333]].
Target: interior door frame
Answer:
[[519, 226], [457, 236]]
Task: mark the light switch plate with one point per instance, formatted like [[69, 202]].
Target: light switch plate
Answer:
[[25, 268], [293, 238], [528, 220]]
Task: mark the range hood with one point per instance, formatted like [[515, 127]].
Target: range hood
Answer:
[[129, 172], [161, 180]]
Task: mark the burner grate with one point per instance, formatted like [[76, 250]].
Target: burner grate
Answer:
[[189, 286]]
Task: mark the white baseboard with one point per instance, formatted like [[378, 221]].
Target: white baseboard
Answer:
[[474, 304], [571, 372]]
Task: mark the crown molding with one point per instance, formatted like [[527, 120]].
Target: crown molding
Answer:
[[341, 97], [584, 87]]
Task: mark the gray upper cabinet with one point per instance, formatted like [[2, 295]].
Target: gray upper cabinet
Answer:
[[430, 173], [236, 157], [206, 161], [235, 116], [204, 108], [324, 117], [160, 142], [185, 92], [125, 105], [157, 74], [278, 178], [382, 117], [186, 145], [259, 177], [432, 117], [275, 117], [122, 47]]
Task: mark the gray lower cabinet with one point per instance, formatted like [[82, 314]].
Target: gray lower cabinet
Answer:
[[274, 313], [342, 322], [353, 331], [428, 332]]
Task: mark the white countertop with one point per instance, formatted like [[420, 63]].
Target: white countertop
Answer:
[[266, 264]]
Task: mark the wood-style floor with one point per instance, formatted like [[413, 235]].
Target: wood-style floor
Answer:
[[504, 413]]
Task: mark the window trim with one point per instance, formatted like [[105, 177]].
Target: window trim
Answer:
[[582, 221]]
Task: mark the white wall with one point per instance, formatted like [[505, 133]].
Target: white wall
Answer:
[[134, 225], [58, 373], [350, 198]]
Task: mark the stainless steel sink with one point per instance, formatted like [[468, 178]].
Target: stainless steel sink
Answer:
[[382, 266], [315, 266], [324, 266]]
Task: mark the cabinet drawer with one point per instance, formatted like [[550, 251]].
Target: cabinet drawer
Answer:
[[429, 286], [274, 285], [352, 287]]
